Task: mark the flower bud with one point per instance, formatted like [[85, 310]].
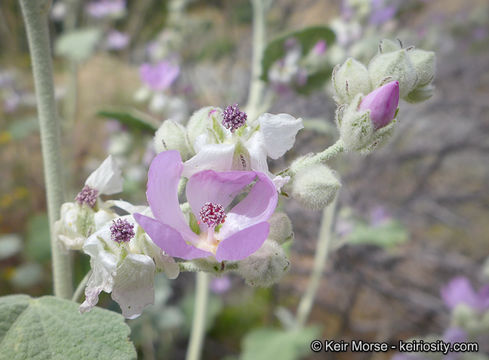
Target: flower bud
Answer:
[[172, 136], [420, 94], [382, 104], [201, 120], [387, 45], [424, 64], [266, 266], [366, 124], [393, 66], [280, 228], [315, 186], [350, 79]]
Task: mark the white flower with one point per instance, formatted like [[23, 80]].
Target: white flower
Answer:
[[107, 178], [80, 219], [221, 150], [124, 267]]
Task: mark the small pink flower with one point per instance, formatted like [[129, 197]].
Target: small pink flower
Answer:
[[225, 232], [382, 104], [159, 76], [319, 48], [460, 291]]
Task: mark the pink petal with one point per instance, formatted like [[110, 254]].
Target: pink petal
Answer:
[[218, 188], [243, 243], [162, 193], [168, 239], [256, 207]]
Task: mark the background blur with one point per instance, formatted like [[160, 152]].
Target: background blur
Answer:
[[411, 216]]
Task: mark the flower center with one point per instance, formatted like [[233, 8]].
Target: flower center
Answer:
[[87, 196], [233, 118], [212, 214], [121, 231]]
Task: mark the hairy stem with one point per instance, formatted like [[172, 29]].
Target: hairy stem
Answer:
[[322, 250], [198, 324], [35, 18], [257, 86]]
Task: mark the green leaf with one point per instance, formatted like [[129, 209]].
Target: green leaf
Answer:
[[78, 45], [133, 119], [50, 328], [387, 235], [307, 37], [37, 240], [268, 343]]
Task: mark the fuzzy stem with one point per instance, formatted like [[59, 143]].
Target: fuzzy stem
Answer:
[[322, 249], [35, 18], [257, 86], [329, 153], [194, 349]]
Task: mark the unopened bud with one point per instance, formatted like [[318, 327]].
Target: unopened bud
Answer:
[[420, 94], [382, 104], [266, 266], [387, 45], [424, 64], [172, 136], [393, 66], [350, 79], [201, 121], [315, 186], [366, 124], [280, 228]]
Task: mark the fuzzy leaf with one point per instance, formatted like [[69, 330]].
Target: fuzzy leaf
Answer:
[[50, 328]]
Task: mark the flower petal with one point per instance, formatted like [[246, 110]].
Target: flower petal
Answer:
[[168, 239], [279, 133], [134, 285], [162, 193], [256, 207], [243, 243], [218, 157], [107, 178], [218, 188]]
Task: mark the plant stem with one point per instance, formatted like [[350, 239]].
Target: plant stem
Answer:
[[198, 324], [81, 286], [322, 249], [257, 86], [35, 18]]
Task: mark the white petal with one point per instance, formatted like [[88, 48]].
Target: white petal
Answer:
[[280, 181], [100, 280], [134, 285], [102, 217], [258, 153], [218, 157], [107, 179], [127, 206], [162, 261], [279, 133]]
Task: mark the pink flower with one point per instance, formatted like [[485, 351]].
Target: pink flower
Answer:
[[460, 291], [382, 104], [220, 230], [319, 48], [159, 76], [117, 40]]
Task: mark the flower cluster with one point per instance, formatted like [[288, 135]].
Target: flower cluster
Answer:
[[212, 197]]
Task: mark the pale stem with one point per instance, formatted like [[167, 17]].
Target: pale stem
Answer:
[[322, 250], [257, 86], [81, 286], [35, 18], [194, 349]]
